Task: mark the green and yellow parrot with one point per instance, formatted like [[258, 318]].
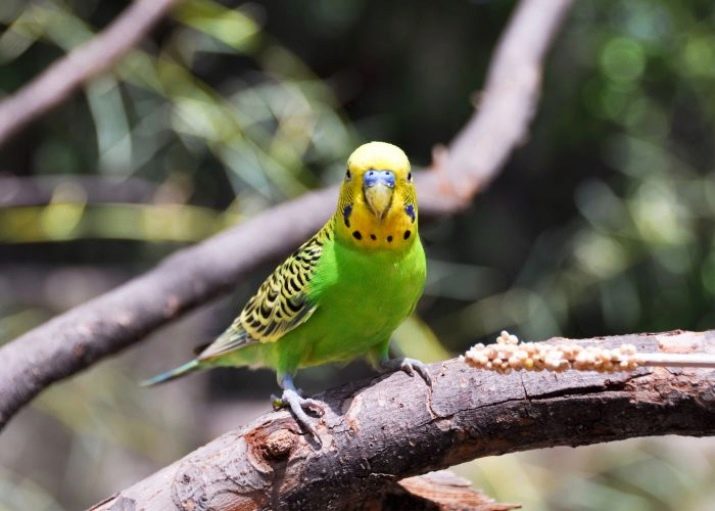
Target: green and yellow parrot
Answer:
[[342, 293]]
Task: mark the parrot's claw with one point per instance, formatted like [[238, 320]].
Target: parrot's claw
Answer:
[[297, 404], [410, 366], [314, 406]]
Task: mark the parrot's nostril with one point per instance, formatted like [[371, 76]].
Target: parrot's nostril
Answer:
[[384, 178]]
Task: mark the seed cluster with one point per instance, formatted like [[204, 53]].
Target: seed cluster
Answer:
[[509, 354]]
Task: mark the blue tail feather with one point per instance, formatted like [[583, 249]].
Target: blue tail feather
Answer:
[[180, 371]]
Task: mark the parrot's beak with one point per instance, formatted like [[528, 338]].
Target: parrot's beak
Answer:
[[378, 187]]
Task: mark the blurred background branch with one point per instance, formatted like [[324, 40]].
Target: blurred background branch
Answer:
[[506, 105], [42, 190], [86, 334], [466, 414], [83, 63]]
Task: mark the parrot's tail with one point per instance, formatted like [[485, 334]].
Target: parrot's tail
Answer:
[[180, 371]]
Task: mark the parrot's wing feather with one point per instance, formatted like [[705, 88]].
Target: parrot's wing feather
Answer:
[[279, 305]]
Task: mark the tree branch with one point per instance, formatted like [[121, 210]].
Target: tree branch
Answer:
[[41, 190], [436, 491], [376, 433], [82, 336], [83, 63], [506, 106]]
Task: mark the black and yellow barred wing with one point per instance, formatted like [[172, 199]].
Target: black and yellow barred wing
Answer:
[[279, 305]]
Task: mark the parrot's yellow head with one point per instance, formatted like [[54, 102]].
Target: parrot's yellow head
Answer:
[[378, 204]]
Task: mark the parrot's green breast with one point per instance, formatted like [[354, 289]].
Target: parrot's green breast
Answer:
[[365, 296], [360, 297]]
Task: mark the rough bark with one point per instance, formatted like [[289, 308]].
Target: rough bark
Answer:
[[437, 491], [77, 339], [376, 433]]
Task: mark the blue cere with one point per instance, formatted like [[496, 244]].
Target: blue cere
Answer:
[[373, 177]]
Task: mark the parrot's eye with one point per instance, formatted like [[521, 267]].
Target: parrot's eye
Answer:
[[409, 176], [347, 174]]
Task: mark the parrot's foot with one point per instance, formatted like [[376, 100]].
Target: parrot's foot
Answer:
[[298, 404], [410, 366]]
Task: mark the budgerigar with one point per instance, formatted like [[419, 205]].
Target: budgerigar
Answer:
[[342, 293]]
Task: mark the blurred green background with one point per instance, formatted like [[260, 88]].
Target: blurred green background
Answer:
[[602, 223]]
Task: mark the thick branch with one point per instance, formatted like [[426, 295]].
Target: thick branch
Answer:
[[116, 320], [66, 75], [379, 432]]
